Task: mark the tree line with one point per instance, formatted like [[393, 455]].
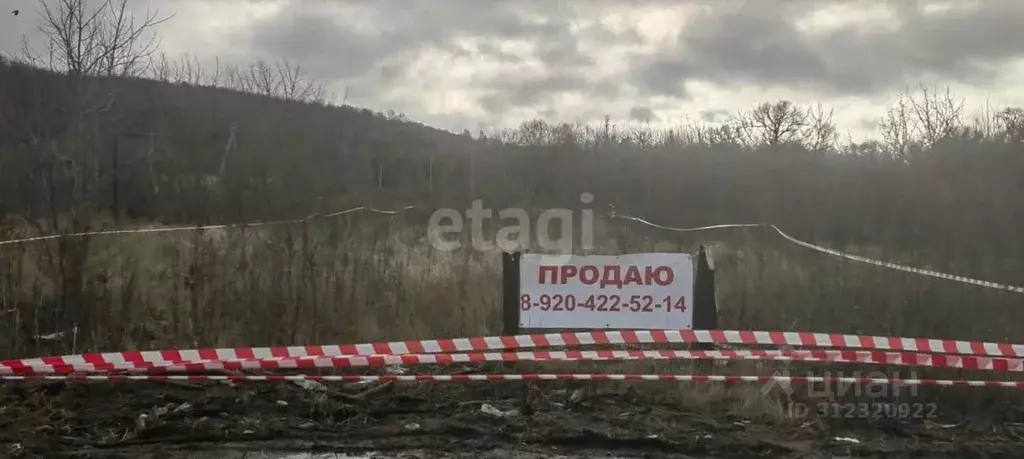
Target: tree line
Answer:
[[103, 126]]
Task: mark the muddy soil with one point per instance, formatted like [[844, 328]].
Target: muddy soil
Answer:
[[508, 420]]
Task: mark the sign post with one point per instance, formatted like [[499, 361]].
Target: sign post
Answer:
[[705, 307], [510, 293]]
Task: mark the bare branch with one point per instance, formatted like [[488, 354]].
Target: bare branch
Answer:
[[820, 135], [1011, 124], [772, 123], [898, 128], [104, 40]]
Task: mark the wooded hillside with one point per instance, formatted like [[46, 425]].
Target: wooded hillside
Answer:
[[99, 140]]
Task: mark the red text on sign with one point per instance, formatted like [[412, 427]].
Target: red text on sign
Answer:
[[607, 275]]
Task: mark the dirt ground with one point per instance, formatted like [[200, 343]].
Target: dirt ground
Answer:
[[507, 420]]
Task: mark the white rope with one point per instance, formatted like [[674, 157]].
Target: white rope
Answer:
[[202, 228], [886, 264]]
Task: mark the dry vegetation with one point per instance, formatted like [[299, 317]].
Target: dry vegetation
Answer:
[[147, 140]]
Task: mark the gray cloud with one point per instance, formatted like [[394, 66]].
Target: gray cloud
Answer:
[[966, 43], [753, 44], [329, 49], [663, 76], [642, 114], [492, 48], [369, 45], [561, 49], [390, 33], [508, 93], [388, 28], [758, 43], [714, 115]]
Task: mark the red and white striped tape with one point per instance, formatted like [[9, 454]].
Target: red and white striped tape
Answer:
[[295, 363], [570, 339], [885, 264], [522, 377]]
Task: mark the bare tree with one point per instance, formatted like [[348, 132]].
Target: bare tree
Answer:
[[820, 135], [918, 121], [1011, 124], [641, 135], [263, 79], [533, 133], [939, 115], [897, 127], [709, 135], [985, 122], [105, 39], [773, 123], [295, 85], [88, 39], [185, 70], [126, 41], [234, 78], [161, 69], [284, 79], [85, 40]]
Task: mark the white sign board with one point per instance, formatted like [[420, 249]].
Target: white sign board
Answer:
[[636, 291]]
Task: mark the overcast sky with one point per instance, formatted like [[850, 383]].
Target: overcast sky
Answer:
[[481, 64]]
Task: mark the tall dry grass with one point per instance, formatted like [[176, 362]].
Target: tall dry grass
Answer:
[[355, 278], [369, 277]]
